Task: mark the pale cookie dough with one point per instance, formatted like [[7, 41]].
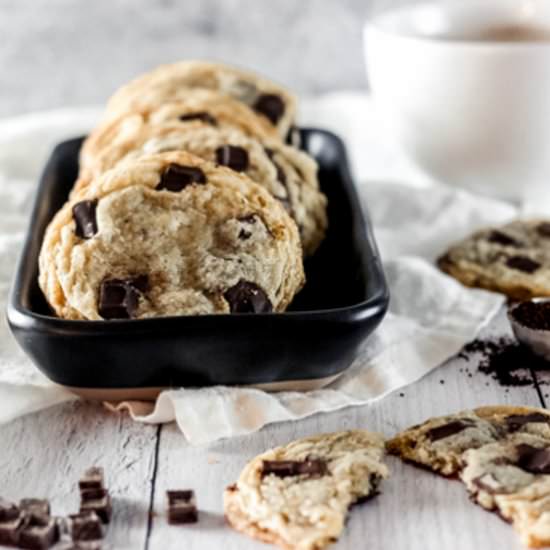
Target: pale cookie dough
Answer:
[[287, 173], [298, 496], [513, 259], [271, 102], [170, 234]]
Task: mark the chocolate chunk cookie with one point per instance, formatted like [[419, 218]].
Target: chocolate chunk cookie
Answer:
[[271, 102], [298, 496], [170, 234], [287, 173], [513, 259]]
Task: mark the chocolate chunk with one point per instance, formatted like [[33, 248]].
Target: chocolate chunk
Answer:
[[247, 297], [522, 263], [311, 467], [86, 526], [271, 106], [84, 215], [452, 428], [35, 507], [98, 501], [293, 137], [499, 237], [533, 460], [202, 116], [39, 534], [243, 233], [8, 511], [515, 422], [93, 477], [543, 229], [182, 507], [233, 157], [117, 299], [11, 530], [177, 177]]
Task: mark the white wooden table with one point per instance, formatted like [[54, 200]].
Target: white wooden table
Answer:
[[44, 454]]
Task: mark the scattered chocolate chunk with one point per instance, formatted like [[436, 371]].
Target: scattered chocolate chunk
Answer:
[[98, 501], [543, 229], [452, 428], [35, 507], [233, 157], [535, 315], [293, 137], [244, 234], [247, 297], [8, 511], [516, 421], [39, 533], [84, 215], [182, 507], [86, 526], [533, 460], [312, 467], [10, 530], [499, 237], [271, 106], [177, 177], [522, 263], [119, 298], [92, 478], [202, 116]]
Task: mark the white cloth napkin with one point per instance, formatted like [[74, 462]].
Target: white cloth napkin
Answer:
[[431, 316]]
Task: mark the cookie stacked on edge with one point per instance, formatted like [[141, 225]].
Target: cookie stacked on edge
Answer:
[[188, 201]]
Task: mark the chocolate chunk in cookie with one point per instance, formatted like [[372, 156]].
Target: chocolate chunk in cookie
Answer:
[[233, 157], [515, 422], [84, 215], [271, 106], [523, 263], [119, 298], [533, 460], [452, 428], [202, 116], [310, 467], [177, 177], [499, 237], [247, 297]]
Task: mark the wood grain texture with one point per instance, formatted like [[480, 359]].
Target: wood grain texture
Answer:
[[44, 454]]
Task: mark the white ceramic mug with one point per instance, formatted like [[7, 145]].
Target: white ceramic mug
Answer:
[[470, 112]]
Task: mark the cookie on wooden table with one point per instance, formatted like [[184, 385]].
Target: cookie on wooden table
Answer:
[[298, 496], [170, 234], [272, 103], [288, 174], [513, 259]]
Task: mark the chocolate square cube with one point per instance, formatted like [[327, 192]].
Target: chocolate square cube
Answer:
[[86, 526], [10, 530], [182, 507], [8, 511], [98, 501], [39, 533]]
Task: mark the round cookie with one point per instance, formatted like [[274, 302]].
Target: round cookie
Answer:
[[513, 259], [287, 173], [170, 234], [273, 103], [298, 496], [192, 111]]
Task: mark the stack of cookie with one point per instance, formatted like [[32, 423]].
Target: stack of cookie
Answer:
[[192, 198]]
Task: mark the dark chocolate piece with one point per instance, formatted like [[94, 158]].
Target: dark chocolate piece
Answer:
[[202, 116], [119, 298], [10, 530], [39, 533], [93, 478], [533, 460], [177, 177], [522, 263], [515, 422], [312, 467], [271, 106], [98, 501], [451, 428], [543, 229], [182, 507], [86, 526], [233, 157], [499, 237], [247, 297], [84, 215], [244, 234], [8, 511]]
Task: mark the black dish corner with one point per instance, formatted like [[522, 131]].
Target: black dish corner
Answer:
[[345, 298]]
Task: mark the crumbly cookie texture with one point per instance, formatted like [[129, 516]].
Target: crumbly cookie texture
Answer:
[[513, 259], [189, 112], [271, 102], [502, 454], [287, 173], [298, 496], [170, 234]]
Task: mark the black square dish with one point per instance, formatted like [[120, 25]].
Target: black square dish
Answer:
[[343, 301]]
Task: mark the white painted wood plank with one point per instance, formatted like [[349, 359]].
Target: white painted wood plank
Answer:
[[44, 454], [416, 510]]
